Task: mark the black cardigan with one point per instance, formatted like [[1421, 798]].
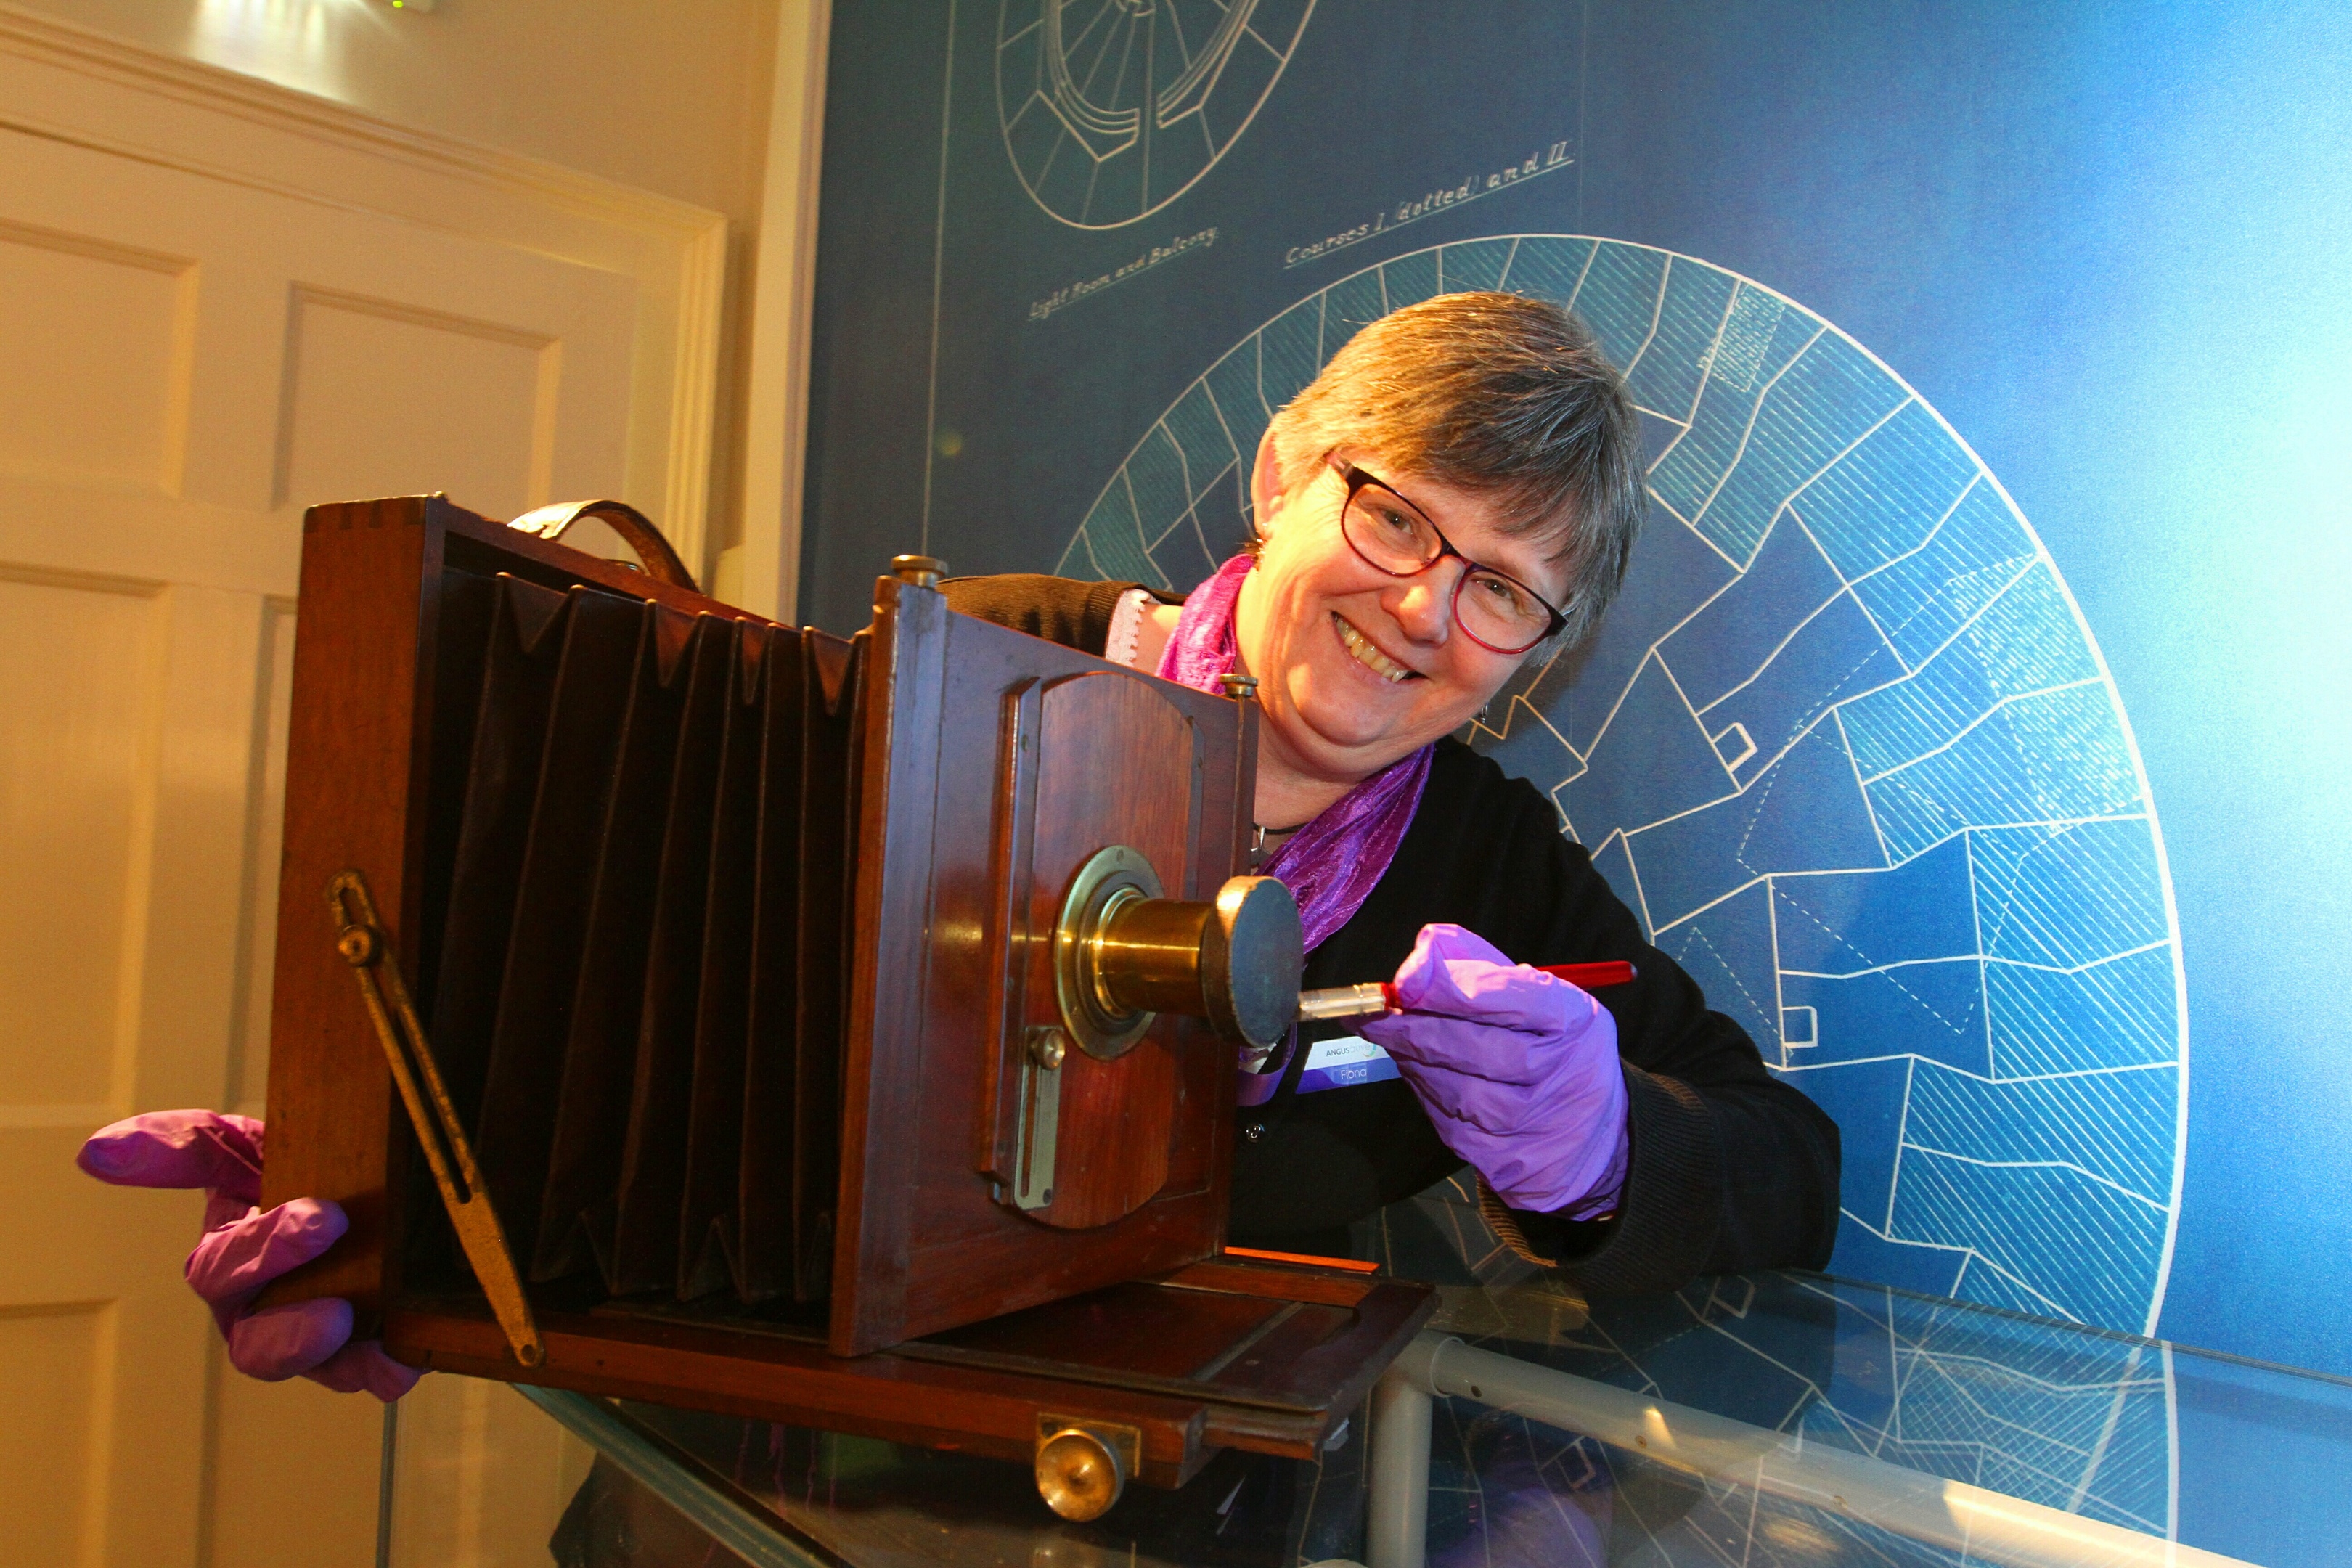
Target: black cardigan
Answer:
[[1732, 1169]]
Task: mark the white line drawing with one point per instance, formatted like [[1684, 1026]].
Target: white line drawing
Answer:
[[1112, 108], [1865, 773]]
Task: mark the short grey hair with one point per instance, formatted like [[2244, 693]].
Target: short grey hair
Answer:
[[1503, 396]]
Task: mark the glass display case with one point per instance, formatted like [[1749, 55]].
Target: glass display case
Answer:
[[1766, 1419]]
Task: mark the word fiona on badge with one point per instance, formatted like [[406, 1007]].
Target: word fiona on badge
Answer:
[[1414, 209], [1069, 294]]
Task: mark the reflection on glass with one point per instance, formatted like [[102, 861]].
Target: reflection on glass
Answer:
[[1824, 1378]]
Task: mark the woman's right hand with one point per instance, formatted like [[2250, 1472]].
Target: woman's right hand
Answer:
[[244, 1247]]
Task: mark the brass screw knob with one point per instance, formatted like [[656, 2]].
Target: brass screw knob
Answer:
[[1047, 1048], [357, 944], [920, 571], [1240, 688], [1078, 1474]]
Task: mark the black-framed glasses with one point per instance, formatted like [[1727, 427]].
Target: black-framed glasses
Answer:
[[1394, 537]]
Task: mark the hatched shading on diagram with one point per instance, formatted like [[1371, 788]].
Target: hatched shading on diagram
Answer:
[[1844, 745], [1112, 108]]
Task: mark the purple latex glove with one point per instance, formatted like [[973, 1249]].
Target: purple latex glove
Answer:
[[244, 1248], [1516, 1068]]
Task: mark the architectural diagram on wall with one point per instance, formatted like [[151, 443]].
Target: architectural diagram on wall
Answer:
[[1112, 108], [1844, 743]]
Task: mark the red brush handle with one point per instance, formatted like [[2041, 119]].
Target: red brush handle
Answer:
[[1593, 976], [1590, 977]]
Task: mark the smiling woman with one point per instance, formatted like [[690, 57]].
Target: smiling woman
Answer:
[[1500, 416], [1458, 488]]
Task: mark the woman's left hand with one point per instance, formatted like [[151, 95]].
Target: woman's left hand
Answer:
[[244, 1247], [1517, 1070]]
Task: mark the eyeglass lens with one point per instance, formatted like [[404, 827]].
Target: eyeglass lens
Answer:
[[1391, 533]]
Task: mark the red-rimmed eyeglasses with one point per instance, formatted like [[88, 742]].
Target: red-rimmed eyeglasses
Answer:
[[1394, 537]]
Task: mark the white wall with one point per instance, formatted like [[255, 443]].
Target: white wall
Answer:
[[670, 96], [667, 95]]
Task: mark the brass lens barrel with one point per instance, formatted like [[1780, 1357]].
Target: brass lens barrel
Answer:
[[1147, 957], [1233, 961], [1123, 955]]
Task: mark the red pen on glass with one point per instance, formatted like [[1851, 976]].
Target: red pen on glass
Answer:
[[1359, 1001]]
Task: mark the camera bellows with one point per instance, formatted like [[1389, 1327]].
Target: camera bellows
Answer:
[[636, 890]]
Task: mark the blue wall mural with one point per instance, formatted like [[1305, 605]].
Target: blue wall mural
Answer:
[[1972, 720], [1845, 745]]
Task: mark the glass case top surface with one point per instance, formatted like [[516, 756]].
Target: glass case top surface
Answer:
[[2245, 1462]]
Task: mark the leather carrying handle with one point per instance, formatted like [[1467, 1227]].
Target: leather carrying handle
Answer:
[[661, 562]]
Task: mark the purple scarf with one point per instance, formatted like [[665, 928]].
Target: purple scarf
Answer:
[[1331, 863]]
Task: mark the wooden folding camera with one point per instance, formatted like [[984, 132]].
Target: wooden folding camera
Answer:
[[690, 1008]]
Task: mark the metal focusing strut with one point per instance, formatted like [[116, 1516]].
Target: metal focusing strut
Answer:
[[366, 946]]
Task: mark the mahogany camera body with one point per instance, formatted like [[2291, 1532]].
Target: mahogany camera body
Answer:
[[839, 1032]]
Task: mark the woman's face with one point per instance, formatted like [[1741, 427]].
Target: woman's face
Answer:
[[1357, 668]]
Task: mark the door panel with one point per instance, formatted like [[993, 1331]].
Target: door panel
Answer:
[[376, 392], [51, 1358], [189, 362], [91, 325], [73, 795]]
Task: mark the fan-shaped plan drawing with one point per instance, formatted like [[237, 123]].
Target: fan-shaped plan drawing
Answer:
[[1112, 108], [1847, 746]]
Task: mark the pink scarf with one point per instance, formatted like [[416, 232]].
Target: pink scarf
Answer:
[[1331, 865]]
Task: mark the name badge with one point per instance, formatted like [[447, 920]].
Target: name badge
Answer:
[[1344, 1062]]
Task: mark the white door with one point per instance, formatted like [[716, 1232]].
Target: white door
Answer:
[[186, 362]]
